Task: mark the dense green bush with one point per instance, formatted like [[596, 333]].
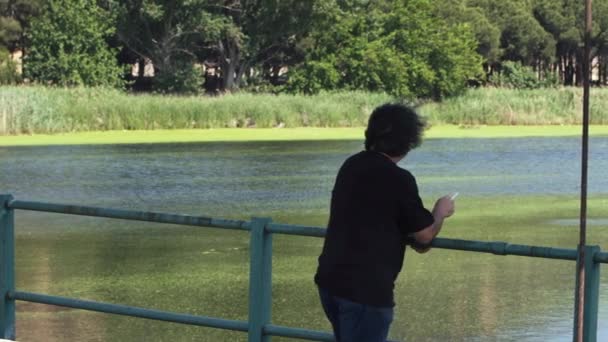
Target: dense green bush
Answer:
[[313, 77], [515, 75], [182, 78]]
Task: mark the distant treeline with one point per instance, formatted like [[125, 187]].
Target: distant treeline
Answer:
[[28, 110], [407, 48]]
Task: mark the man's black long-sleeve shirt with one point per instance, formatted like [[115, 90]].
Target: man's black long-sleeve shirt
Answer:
[[374, 206]]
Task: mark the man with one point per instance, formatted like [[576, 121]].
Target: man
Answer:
[[375, 211]]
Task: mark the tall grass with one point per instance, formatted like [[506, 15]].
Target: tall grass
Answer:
[[54, 110], [499, 106], [40, 109]]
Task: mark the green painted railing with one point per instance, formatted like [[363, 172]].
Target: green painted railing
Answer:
[[258, 327]]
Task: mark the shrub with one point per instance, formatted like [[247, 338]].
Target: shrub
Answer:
[[515, 75], [182, 78]]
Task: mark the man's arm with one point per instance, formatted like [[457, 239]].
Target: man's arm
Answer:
[[444, 208]]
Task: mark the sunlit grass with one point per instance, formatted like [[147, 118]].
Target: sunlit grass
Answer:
[[55, 110], [45, 110], [283, 134]]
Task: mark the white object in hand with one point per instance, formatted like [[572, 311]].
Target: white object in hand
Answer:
[[454, 195]]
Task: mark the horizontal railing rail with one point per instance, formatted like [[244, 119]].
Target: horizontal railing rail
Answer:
[[129, 311], [261, 230], [185, 220]]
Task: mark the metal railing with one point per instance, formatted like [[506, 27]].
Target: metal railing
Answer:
[[258, 327]]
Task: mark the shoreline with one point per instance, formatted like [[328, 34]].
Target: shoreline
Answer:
[[285, 134]]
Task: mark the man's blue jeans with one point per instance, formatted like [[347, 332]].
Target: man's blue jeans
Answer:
[[354, 322]]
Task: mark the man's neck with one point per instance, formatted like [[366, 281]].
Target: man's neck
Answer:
[[393, 159]]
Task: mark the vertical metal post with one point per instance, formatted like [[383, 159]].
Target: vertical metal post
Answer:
[[260, 280], [587, 329], [7, 268], [580, 265], [579, 296], [592, 294]]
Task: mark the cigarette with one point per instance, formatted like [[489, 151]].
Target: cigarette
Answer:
[[454, 195]]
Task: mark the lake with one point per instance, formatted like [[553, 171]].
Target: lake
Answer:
[[522, 190]]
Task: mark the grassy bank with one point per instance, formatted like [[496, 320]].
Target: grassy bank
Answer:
[[28, 110], [48, 110], [493, 106], [284, 134]]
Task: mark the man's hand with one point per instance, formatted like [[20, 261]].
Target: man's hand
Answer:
[[444, 207]]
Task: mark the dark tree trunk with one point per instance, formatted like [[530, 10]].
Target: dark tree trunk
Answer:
[[569, 72], [242, 70], [141, 68], [229, 60], [579, 69], [602, 70], [598, 65], [560, 69]]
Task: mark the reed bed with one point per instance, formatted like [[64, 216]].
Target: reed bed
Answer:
[[38, 109], [499, 106]]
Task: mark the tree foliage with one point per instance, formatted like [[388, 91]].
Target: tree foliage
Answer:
[[410, 48], [262, 34], [173, 35], [15, 16], [398, 47], [235, 35], [68, 45], [546, 35]]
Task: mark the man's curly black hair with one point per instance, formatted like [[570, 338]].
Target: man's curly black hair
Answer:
[[394, 129]]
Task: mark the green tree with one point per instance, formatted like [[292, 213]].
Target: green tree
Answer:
[[565, 21], [14, 18], [486, 32], [261, 35], [68, 45], [244, 37], [399, 47], [10, 29], [524, 40], [173, 35], [600, 39]]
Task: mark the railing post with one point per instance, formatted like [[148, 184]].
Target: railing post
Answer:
[[592, 292], [7, 268], [260, 280]]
